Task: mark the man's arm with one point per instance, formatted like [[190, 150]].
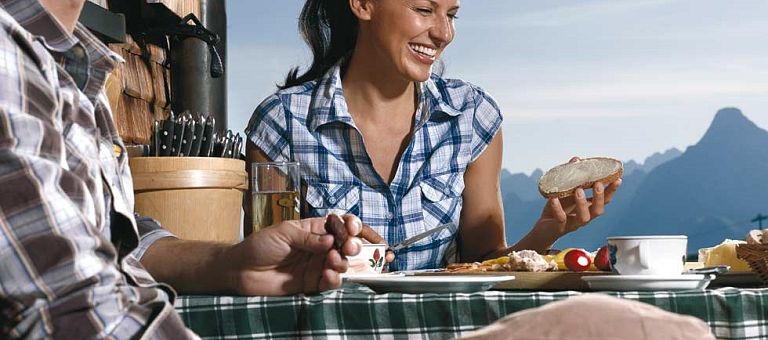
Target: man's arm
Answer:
[[287, 258]]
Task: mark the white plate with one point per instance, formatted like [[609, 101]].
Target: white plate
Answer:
[[431, 284], [648, 282]]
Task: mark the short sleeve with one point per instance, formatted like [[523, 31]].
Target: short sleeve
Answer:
[[268, 129], [485, 123]]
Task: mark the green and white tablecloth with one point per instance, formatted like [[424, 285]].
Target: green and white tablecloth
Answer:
[[356, 312]]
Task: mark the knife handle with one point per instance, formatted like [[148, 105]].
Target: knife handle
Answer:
[[189, 134], [228, 145], [206, 144], [166, 137], [178, 135], [154, 140], [197, 137]]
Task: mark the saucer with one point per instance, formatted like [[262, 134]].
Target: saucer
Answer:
[[649, 282]]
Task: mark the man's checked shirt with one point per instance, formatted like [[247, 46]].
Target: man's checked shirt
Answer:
[[69, 241], [310, 123]]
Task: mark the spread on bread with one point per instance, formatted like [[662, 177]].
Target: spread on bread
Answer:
[[562, 180]]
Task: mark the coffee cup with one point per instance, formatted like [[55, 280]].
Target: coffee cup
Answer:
[[648, 255], [370, 260]]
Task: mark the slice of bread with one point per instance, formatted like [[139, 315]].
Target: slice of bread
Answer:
[[562, 180]]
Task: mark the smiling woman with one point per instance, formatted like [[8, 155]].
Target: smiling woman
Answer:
[[380, 135]]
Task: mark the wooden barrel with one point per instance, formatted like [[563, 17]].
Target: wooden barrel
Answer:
[[196, 198]]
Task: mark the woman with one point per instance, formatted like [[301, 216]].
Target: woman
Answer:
[[382, 137]]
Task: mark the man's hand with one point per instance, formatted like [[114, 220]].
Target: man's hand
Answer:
[[292, 257], [372, 236], [288, 258]]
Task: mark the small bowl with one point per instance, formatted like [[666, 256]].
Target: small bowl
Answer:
[[370, 260]]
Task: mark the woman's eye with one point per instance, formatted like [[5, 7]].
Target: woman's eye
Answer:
[[424, 10], [453, 16]]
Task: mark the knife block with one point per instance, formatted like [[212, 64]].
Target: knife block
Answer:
[[196, 198]]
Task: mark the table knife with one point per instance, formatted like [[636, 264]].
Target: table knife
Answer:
[[238, 146], [197, 137], [218, 146], [166, 138], [206, 144], [229, 145], [189, 134], [154, 142], [178, 134], [411, 240]]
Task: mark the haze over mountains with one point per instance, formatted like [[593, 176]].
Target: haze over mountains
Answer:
[[709, 192]]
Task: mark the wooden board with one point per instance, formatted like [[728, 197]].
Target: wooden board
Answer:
[[559, 280]]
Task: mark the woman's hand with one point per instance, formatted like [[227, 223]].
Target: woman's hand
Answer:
[[562, 216], [372, 236], [291, 257]]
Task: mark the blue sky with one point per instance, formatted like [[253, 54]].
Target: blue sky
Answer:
[[590, 78]]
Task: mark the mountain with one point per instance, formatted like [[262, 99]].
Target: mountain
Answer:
[[659, 158], [524, 187], [709, 192], [652, 161]]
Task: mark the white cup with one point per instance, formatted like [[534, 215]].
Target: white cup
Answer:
[[370, 260], [648, 255]]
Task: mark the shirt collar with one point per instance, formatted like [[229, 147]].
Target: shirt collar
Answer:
[[329, 106], [31, 15], [436, 99]]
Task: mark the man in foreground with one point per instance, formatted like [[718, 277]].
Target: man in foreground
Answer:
[[72, 254]]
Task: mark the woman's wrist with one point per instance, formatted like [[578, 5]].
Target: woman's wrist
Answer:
[[540, 238]]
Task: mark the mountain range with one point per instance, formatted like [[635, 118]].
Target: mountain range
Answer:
[[709, 192]]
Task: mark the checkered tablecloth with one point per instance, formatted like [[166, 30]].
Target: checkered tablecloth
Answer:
[[356, 312]]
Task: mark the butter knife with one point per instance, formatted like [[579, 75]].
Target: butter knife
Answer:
[[411, 240]]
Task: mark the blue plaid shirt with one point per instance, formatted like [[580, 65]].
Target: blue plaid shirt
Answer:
[[310, 124]]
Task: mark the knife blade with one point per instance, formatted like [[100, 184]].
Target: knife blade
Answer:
[[206, 145], [189, 133], [166, 137], [411, 240], [197, 137]]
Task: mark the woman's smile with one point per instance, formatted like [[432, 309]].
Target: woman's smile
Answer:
[[423, 54]]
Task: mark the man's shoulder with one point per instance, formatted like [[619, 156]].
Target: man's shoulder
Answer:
[[10, 27], [16, 41]]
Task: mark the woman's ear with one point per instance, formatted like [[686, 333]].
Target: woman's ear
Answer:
[[362, 9]]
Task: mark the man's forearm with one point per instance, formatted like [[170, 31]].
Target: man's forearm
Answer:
[[190, 266]]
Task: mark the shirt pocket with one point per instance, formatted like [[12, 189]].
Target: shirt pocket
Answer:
[[442, 187], [324, 198], [441, 202]]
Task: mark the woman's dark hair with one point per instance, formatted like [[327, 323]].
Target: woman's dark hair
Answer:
[[330, 29]]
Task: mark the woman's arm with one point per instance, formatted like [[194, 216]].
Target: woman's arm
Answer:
[[481, 226], [482, 216]]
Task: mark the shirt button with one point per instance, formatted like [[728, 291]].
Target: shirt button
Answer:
[[390, 215]]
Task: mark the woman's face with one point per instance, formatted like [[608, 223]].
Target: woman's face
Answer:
[[411, 34]]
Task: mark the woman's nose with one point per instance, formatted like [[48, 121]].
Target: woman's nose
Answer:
[[442, 30]]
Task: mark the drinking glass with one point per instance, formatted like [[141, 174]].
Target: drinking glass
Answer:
[[274, 193]]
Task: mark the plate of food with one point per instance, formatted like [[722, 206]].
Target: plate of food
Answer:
[[649, 282], [430, 283]]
